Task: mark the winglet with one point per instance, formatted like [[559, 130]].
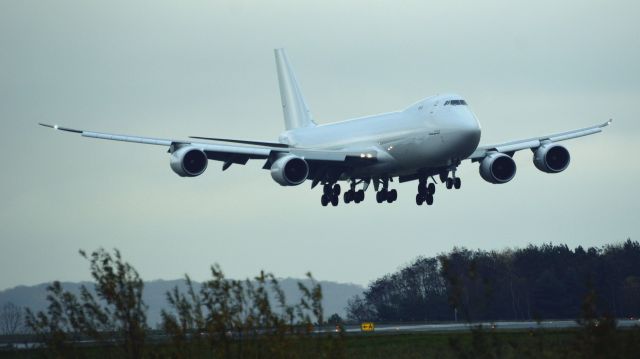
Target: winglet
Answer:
[[607, 123], [56, 127]]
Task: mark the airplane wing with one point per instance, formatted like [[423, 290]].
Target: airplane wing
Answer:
[[243, 151], [513, 146]]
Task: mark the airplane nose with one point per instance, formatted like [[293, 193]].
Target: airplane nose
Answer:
[[471, 128]]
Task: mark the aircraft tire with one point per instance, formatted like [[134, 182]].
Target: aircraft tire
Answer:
[[431, 188], [392, 196], [449, 183], [335, 200], [324, 200], [429, 199], [419, 199], [457, 183]]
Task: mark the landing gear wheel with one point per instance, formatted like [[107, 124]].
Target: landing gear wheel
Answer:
[[360, 196], [327, 190], [347, 197], [334, 200], [431, 188], [380, 196], [324, 200], [419, 199], [423, 189], [336, 190], [429, 199], [457, 183], [392, 196], [449, 183]]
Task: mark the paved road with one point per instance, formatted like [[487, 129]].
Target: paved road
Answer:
[[456, 327]]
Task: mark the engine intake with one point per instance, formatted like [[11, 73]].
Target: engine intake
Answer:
[[188, 161], [290, 170], [497, 168], [551, 158]]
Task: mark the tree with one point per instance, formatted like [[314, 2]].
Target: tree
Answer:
[[535, 282], [115, 312], [10, 319], [335, 319]]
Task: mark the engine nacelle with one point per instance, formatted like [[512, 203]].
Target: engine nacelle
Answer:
[[290, 170], [497, 168], [551, 158], [188, 161]]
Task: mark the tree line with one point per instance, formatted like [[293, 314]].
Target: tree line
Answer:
[[532, 283]]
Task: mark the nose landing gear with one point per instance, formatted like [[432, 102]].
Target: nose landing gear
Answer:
[[451, 182]]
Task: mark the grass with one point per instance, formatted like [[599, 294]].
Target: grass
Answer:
[[570, 343]]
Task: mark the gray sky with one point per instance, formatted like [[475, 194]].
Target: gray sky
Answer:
[[176, 68]]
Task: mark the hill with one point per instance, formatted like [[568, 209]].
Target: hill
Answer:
[[34, 297]]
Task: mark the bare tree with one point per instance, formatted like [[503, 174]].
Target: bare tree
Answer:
[[10, 319]]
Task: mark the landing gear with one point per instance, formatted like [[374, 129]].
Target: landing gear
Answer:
[[330, 194], [389, 196], [384, 194], [425, 192], [352, 195], [452, 182]]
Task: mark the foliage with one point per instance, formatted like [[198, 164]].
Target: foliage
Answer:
[[536, 282], [237, 318], [112, 313], [225, 318], [11, 320]]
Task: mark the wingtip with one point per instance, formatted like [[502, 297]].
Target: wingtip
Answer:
[[55, 127]]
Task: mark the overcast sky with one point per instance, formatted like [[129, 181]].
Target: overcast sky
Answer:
[[180, 68]]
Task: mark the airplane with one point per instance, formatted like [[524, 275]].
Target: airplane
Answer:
[[427, 139]]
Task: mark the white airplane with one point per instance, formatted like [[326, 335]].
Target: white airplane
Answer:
[[427, 139]]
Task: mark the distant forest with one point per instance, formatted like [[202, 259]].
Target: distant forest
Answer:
[[532, 283]]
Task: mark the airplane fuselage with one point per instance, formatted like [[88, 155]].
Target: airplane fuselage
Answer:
[[432, 133]]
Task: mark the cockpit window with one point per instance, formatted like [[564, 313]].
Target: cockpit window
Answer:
[[455, 102]]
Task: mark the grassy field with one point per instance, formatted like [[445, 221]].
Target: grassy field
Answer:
[[474, 344]]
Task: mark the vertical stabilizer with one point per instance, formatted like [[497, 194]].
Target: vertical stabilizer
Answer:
[[295, 109]]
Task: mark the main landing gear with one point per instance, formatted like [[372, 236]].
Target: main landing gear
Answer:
[[330, 194], [384, 194], [352, 195], [425, 192]]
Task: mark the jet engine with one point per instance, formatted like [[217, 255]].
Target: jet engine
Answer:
[[290, 170], [497, 168], [551, 158], [188, 161]]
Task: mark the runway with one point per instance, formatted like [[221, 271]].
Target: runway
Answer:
[[500, 325]]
